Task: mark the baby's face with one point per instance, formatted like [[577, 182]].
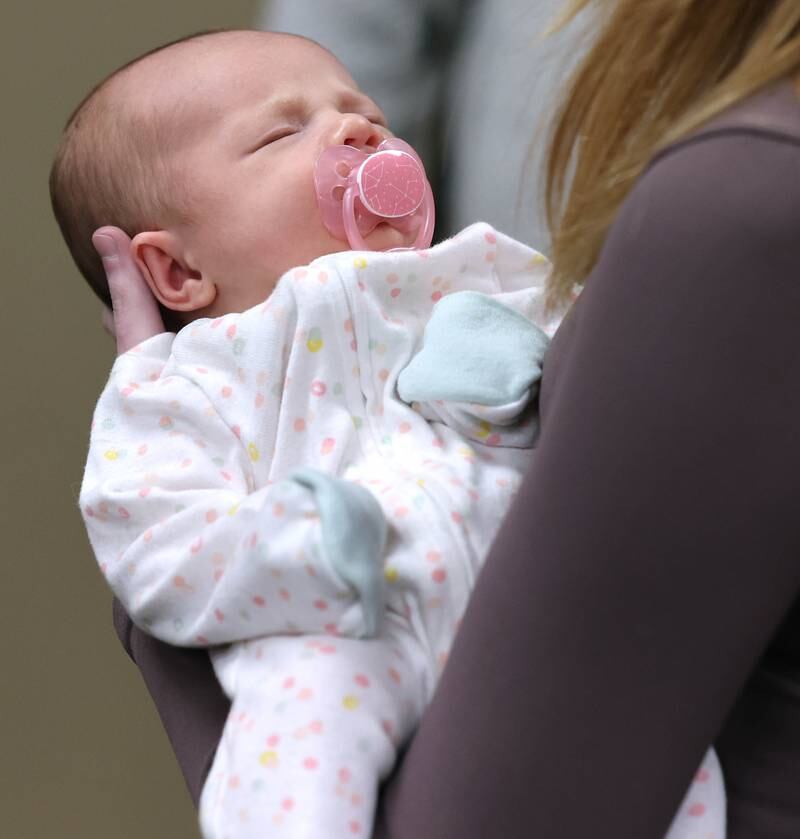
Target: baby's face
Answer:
[[253, 112]]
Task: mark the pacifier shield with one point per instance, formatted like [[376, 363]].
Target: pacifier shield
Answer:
[[357, 190], [391, 184]]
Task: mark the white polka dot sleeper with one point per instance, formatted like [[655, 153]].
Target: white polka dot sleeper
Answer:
[[308, 488]]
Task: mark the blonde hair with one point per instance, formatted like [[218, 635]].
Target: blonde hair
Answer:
[[657, 70], [111, 168]]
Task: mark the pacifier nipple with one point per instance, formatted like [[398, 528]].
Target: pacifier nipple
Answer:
[[357, 191]]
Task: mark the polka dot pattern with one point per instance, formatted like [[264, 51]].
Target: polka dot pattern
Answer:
[[228, 410]]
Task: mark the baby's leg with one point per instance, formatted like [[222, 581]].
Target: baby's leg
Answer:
[[313, 729], [702, 812]]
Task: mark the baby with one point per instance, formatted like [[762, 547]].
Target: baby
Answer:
[[328, 596]]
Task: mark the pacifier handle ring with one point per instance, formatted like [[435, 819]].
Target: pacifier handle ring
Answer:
[[425, 234], [354, 237]]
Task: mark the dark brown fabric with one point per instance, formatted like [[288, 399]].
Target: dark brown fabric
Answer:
[[186, 694], [641, 600]]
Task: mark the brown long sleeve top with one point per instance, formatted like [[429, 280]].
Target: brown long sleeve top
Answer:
[[641, 600]]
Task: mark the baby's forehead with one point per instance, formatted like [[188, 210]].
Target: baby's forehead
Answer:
[[238, 52], [202, 75]]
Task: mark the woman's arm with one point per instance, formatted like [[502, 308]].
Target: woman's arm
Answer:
[[653, 548], [186, 694]]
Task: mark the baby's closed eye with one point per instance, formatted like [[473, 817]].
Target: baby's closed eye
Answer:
[[275, 135]]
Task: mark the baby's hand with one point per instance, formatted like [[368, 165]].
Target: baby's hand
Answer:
[[135, 315]]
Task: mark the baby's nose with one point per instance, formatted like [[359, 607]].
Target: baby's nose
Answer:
[[358, 131]]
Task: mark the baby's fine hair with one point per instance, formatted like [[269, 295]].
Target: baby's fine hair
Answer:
[[110, 168]]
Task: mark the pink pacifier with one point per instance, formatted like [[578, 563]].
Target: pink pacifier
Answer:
[[356, 191]]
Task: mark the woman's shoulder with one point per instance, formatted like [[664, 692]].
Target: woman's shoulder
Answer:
[[714, 217], [743, 164], [735, 182], [772, 113]]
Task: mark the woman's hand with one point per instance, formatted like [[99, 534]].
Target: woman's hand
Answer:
[[135, 316]]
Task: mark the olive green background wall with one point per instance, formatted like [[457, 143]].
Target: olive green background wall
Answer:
[[82, 752]]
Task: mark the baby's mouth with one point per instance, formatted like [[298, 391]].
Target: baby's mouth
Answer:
[[386, 236]]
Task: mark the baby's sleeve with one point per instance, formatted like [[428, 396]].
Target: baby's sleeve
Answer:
[[195, 552], [479, 368], [482, 352]]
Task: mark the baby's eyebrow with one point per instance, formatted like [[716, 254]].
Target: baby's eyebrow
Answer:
[[285, 104]]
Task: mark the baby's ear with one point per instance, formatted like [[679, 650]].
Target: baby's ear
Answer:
[[160, 257]]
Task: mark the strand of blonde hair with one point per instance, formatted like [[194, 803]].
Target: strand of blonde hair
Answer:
[[657, 70]]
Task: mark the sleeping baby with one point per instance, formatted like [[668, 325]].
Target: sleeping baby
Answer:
[[306, 478]]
